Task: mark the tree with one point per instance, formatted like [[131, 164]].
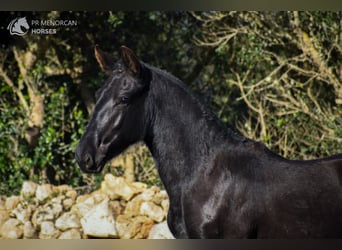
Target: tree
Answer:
[[286, 69]]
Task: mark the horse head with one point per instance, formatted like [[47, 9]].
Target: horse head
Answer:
[[118, 119]]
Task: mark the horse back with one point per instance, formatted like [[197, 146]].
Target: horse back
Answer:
[[335, 163]]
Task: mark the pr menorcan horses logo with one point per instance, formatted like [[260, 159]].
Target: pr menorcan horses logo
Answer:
[[18, 26]]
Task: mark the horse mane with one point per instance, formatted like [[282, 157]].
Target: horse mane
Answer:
[[207, 113]]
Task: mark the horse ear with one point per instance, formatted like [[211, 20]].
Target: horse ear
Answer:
[[130, 59], [104, 59]]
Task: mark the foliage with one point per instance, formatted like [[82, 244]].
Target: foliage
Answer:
[[285, 69], [54, 153], [10, 149], [275, 76]]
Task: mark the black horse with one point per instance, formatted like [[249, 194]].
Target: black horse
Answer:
[[220, 184]]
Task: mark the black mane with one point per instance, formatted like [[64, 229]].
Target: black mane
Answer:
[[207, 113]]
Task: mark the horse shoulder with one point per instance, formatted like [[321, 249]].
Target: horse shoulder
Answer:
[[220, 195]]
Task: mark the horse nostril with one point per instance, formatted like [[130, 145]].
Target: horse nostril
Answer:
[[88, 161]]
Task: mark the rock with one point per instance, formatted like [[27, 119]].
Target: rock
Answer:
[[55, 208], [12, 229], [41, 215], [44, 192], [133, 206], [63, 189], [71, 234], [57, 200], [160, 197], [152, 210], [29, 231], [12, 202], [72, 194], [67, 221], [116, 207], [118, 187], [149, 194], [139, 185], [119, 209], [99, 221], [48, 230], [165, 204], [4, 215], [2, 202], [23, 213], [85, 203], [160, 231], [130, 227], [68, 203], [28, 190]]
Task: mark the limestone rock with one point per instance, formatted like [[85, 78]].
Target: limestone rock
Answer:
[[139, 185], [72, 194], [63, 189], [120, 209], [48, 230], [133, 206], [67, 221], [133, 227], [44, 192], [152, 210], [165, 204], [41, 215], [12, 229], [149, 194], [4, 215], [28, 189], [23, 213], [160, 231], [160, 197], [29, 231], [99, 221], [12, 202], [85, 203], [68, 203], [54, 208], [71, 234], [57, 200], [2, 202], [116, 207], [118, 187]]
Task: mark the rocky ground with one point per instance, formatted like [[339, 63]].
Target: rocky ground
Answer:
[[119, 209]]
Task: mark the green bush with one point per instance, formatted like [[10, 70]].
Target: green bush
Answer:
[[52, 160]]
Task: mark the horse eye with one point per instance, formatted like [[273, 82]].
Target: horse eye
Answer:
[[123, 100]]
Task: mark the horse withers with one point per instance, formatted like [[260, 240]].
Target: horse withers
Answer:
[[220, 184]]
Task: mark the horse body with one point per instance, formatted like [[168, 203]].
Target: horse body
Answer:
[[232, 187], [220, 184]]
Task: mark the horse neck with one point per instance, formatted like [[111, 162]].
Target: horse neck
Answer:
[[182, 131]]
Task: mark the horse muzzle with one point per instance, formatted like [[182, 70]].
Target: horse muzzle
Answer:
[[88, 163]]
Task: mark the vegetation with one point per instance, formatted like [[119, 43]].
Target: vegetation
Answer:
[[274, 76]]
